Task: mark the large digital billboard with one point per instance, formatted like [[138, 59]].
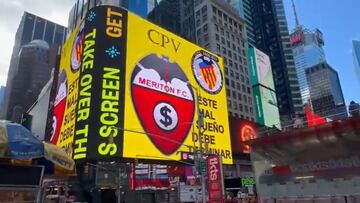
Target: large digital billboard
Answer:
[[267, 111], [260, 68], [131, 90], [241, 131]]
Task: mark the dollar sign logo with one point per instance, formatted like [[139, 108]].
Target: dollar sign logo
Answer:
[[166, 121], [165, 116]]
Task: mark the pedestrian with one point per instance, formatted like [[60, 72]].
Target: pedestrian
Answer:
[[354, 109]]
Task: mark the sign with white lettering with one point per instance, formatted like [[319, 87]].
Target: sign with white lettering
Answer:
[[214, 179], [127, 90]]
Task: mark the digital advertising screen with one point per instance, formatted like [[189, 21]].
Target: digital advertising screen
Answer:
[[130, 89], [267, 111], [242, 131], [260, 68]]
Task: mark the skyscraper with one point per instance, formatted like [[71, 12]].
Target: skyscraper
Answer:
[[220, 29], [325, 91], [308, 51], [31, 28], [267, 31], [176, 16], [34, 65], [356, 55], [81, 7]]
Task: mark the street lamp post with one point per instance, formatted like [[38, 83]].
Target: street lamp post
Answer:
[[199, 156]]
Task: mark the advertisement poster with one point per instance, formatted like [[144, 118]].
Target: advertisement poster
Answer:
[[267, 111], [260, 68], [130, 89], [214, 179], [242, 131]]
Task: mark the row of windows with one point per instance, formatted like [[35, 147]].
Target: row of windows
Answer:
[[228, 21], [239, 96]]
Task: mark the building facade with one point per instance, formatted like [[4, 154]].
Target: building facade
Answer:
[[176, 16], [356, 56], [81, 7], [325, 90], [35, 64], [266, 29], [308, 51], [220, 29], [31, 28]]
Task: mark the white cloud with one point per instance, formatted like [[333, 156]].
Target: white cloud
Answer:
[[10, 16]]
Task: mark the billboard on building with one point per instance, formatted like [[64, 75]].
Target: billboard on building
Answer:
[[260, 68], [296, 37], [267, 111], [241, 131], [136, 87]]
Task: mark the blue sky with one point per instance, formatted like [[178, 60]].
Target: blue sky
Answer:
[[339, 21]]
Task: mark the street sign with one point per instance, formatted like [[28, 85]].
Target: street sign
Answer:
[[202, 166]]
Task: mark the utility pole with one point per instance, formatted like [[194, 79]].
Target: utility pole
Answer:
[[199, 156]]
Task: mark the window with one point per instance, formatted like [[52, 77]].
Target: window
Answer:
[[218, 47], [231, 73], [238, 86], [237, 76], [222, 31], [232, 84], [224, 52], [204, 18], [234, 94], [240, 107], [198, 32], [227, 35], [248, 90], [204, 9], [222, 40], [217, 37], [198, 22], [205, 28], [225, 17], [246, 109], [206, 38], [197, 14], [243, 88], [239, 95], [216, 28], [245, 98], [214, 9]]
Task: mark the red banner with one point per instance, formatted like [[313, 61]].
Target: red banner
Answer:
[[214, 180]]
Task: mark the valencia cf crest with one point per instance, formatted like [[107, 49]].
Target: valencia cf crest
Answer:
[[163, 100], [207, 71]]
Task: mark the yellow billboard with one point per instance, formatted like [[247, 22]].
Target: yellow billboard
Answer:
[[65, 98], [139, 88]]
